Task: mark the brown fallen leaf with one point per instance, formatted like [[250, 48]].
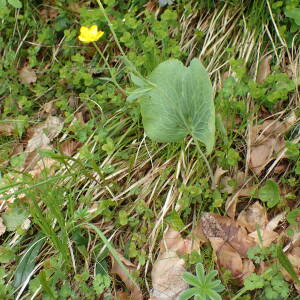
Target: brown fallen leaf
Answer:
[[254, 215], [122, 296], [27, 75], [267, 232], [261, 155], [230, 242], [135, 291], [173, 241], [44, 133], [167, 270], [225, 186], [227, 257], [294, 258], [2, 227], [41, 163], [229, 230], [69, 147], [7, 128], [267, 237], [41, 137], [231, 202], [264, 69], [267, 140], [49, 14], [166, 276], [151, 6], [218, 174]]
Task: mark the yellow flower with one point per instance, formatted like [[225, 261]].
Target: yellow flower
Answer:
[[89, 34]]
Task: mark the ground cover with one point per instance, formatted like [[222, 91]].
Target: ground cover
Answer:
[[97, 202]]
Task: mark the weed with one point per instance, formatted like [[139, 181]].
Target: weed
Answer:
[[204, 285]]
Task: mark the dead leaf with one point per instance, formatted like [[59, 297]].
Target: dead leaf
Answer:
[[230, 242], [168, 269], [267, 236], [2, 227], [218, 174], [227, 229], [231, 202], [17, 149], [27, 75], [80, 118], [281, 167], [294, 258], [44, 133], [173, 241], [227, 257], [135, 291], [41, 137], [48, 14], [166, 276], [7, 128], [48, 108], [255, 215], [264, 69], [225, 187], [151, 6], [42, 164], [122, 296], [267, 140], [69, 147], [261, 155], [274, 222]]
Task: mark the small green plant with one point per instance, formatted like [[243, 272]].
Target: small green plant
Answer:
[[14, 3], [177, 101], [269, 193], [271, 281], [204, 285]]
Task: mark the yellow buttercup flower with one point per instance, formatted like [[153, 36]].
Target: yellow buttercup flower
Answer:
[[90, 34]]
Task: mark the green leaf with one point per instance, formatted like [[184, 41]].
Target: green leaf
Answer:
[[15, 3], [200, 272], [293, 215], [138, 93], [6, 255], [27, 262], [2, 3], [174, 220], [284, 261], [123, 217], [270, 193], [100, 283], [191, 279], [140, 82], [14, 218], [18, 160], [188, 294], [109, 146], [180, 103], [294, 14]]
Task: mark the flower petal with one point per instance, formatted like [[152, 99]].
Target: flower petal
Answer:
[[83, 30], [98, 36], [93, 29], [83, 39]]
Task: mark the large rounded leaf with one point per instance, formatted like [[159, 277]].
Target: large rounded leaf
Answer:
[[179, 103]]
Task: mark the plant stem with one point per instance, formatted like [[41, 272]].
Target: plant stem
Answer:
[[213, 184], [117, 40], [109, 68], [240, 293], [111, 27]]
